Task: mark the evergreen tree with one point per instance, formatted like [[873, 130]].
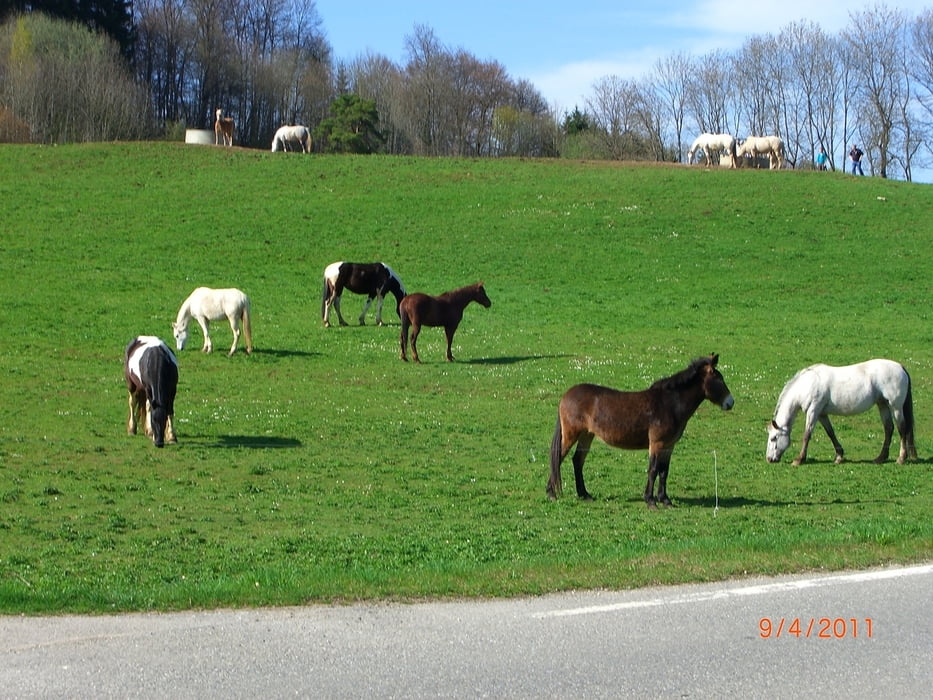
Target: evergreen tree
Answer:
[[353, 126]]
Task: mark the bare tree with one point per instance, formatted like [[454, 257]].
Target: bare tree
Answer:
[[375, 77], [612, 108], [711, 82], [426, 80], [876, 40], [921, 69], [671, 78], [815, 63]]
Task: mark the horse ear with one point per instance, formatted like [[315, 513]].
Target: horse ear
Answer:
[[714, 359]]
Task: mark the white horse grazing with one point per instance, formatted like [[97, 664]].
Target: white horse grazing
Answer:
[[223, 128], [771, 146], [292, 134], [713, 143], [821, 390], [205, 305]]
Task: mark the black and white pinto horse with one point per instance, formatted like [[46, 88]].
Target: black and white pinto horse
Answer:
[[373, 279], [151, 372]]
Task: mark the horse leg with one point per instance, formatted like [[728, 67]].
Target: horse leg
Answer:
[[663, 466], [449, 333], [903, 431], [336, 303], [366, 305], [134, 411], [828, 427], [579, 457], [379, 300], [652, 473], [415, 330], [235, 327], [807, 433], [887, 421], [403, 338], [328, 301], [170, 429], [146, 417], [208, 345]]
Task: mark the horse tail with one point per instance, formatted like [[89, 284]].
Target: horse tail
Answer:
[[554, 484], [406, 326], [247, 327], [405, 319], [325, 293], [909, 420]]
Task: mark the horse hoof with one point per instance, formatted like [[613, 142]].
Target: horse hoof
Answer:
[[651, 505]]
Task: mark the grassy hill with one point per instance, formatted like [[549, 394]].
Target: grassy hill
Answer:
[[323, 468]]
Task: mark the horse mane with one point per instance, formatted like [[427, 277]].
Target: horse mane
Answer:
[[683, 377], [184, 312], [395, 284], [787, 388], [454, 293]]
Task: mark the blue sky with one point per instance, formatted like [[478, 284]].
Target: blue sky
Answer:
[[564, 47]]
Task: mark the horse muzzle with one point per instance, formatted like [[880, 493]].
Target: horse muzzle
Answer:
[[728, 403]]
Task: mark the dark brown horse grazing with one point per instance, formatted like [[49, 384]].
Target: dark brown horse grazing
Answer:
[[446, 310], [653, 419]]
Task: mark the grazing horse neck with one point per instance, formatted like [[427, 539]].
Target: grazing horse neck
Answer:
[[789, 403], [184, 313]]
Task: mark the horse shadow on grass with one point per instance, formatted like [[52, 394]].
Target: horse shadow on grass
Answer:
[[285, 353], [256, 442], [510, 359]]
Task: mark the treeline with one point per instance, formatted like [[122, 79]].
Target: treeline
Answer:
[[172, 63]]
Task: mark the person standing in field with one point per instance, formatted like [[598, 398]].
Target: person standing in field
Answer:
[[855, 155], [821, 159]]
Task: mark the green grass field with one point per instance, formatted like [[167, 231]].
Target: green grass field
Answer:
[[323, 468]]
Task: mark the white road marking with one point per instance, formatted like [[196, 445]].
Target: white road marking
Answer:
[[875, 575]]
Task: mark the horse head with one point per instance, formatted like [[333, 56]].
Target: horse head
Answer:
[[714, 385], [180, 331], [481, 297], [778, 441]]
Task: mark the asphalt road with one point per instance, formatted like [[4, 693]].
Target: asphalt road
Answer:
[[863, 634]]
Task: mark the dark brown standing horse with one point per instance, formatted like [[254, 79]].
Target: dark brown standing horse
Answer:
[[653, 419], [446, 310]]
